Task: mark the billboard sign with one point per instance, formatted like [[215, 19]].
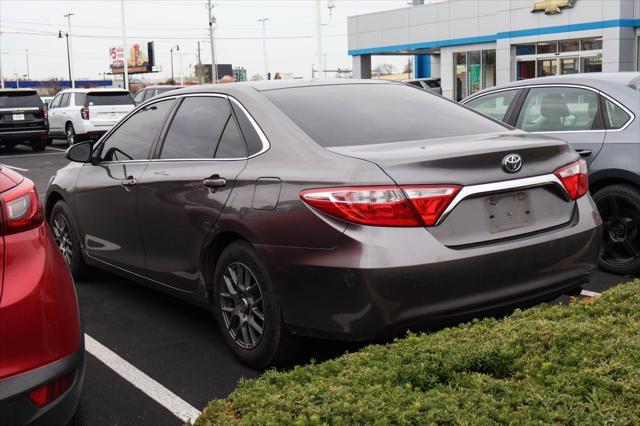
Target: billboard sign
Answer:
[[140, 59]]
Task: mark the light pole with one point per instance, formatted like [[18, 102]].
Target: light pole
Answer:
[[212, 28], [26, 51], [177, 48], [264, 46], [69, 48], [125, 51], [60, 33]]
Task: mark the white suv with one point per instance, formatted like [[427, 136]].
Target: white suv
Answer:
[[81, 114]]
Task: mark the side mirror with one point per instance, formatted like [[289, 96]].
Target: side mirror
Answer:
[[80, 152]]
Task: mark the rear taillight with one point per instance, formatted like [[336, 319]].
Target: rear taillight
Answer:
[[21, 208], [84, 113], [406, 206], [45, 113], [48, 393], [574, 178]]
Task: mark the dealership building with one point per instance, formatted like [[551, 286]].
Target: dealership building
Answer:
[[474, 44]]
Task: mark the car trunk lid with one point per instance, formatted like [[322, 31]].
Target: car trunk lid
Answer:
[[498, 210], [21, 110], [107, 108], [8, 180]]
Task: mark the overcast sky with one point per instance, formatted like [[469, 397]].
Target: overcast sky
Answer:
[[34, 25]]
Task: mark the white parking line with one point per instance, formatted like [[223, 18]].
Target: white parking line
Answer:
[[20, 169], [172, 402], [57, 149], [588, 293]]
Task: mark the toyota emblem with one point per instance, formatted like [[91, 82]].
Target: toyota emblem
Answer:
[[512, 163]]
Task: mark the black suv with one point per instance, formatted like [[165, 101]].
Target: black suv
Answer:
[[23, 119]]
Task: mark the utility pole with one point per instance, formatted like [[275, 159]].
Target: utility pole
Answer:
[[70, 54], [199, 65], [26, 51], [264, 46], [125, 51], [318, 37], [212, 22]]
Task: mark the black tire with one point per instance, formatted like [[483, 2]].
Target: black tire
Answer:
[[61, 216], [49, 140], [276, 346], [619, 206], [39, 145], [80, 416], [71, 134]]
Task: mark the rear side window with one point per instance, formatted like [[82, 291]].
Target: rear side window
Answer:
[[231, 143], [251, 137], [24, 99], [615, 117], [494, 105], [109, 98], [559, 109], [196, 128], [364, 114], [133, 139], [80, 99]]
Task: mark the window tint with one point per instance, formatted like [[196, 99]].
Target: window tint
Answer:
[[363, 114], [251, 137], [64, 102], [150, 94], [109, 98], [80, 99], [231, 143], [20, 99], [615, 116], [558, 109], [494, 105], [133, 139], [139, 97], [196, 128]]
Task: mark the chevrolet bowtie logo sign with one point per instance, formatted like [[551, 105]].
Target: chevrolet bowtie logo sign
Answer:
[[551, 7]]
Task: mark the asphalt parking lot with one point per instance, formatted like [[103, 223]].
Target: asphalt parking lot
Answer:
[[153, 359]]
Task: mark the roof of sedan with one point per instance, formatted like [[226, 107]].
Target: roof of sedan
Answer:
[[590, 79], [265, 85]]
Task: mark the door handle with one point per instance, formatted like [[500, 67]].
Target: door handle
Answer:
[[130, 181], [584, 152], [214, 181]]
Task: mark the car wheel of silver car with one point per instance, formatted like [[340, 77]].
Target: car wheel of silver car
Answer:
[[247, 310], [71, 134], [66, 240], [619, 207]]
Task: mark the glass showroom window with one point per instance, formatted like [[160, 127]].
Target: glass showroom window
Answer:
[[475, 70], [558, 57]]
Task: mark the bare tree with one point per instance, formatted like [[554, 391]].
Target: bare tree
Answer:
[[257, 77], [384, 69]]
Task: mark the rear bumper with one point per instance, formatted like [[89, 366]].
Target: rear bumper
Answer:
[[91, 128], [23, 135], [378, 281], [17, 409]]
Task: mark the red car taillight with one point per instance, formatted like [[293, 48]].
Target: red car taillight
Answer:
[[48, 393], [406, 206], [84, 113], [45, 113], [574, 178], [21, 208]]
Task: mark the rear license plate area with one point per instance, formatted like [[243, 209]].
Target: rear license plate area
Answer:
[[18, 117], [508, 211]]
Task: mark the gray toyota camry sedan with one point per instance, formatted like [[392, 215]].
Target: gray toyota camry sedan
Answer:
[[333, 210]]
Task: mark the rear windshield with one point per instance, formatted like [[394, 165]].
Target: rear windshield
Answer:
[[20, 99], [109, 98], [364, 114]]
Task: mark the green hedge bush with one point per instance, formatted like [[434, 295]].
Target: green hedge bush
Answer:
[[576, 364]]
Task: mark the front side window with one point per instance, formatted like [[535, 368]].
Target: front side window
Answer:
[[494, 105], [55, 103], [196, 128], [615, 117], [559, 109], [64, 102], [133, 139]]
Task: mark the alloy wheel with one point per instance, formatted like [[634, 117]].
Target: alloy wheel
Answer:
[[71, 135], [62, 236], [621, 242], [242, 305]]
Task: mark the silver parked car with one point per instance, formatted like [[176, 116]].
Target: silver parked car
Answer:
[[597, 114]]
